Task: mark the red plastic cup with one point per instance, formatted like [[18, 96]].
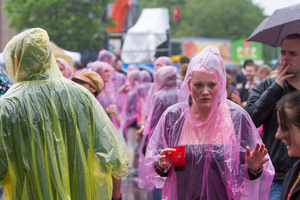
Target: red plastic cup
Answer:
[[178, 158]]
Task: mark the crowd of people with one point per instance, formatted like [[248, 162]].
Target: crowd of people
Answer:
[[73, 132]]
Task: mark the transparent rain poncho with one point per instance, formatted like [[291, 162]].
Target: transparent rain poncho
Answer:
[[159, 62], [105, 97], [215, 166], [144, 87], [166, 95], [132, 109], [56, 141], [100, 68], [116, 80]]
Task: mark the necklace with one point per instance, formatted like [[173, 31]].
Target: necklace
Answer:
[[293, 186]]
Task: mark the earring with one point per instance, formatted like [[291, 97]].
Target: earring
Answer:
[[190, 100]]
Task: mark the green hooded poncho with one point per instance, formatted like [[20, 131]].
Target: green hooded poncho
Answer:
[[56, 141]]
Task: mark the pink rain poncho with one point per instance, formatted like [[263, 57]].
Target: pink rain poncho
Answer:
[[100, 67], [144, 87], [215, 166], [68, 70], [116, 79], [166, 95], [104, 97], [106, 56], [159, 62], [132, 108], [131, 67]]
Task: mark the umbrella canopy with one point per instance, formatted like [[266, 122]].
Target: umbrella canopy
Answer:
[[274, 29]]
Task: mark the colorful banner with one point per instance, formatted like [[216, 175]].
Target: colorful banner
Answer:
[[243, 49], [191, 46]]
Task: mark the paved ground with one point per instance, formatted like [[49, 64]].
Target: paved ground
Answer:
[[130, 190]]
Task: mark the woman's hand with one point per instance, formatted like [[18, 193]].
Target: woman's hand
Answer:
[[165, 158], [112, 110], [138, 133], [256, 158]]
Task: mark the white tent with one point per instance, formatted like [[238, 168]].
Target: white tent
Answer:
[[76, 56], [145, 36]]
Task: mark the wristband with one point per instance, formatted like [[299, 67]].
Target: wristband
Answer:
[[120, 197], [165, 170], [255, 173], [143, 127]]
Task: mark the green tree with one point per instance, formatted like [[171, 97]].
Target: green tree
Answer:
[[75, 25], [227, 19]]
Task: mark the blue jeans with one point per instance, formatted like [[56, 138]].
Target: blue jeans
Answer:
[[156, 194], [275, 190]]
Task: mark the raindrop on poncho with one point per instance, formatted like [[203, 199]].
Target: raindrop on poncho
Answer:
[[56, 141], [215, 166]]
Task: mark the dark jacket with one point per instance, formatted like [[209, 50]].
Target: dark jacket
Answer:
[[261, 106], [244, 93], [289, 181]]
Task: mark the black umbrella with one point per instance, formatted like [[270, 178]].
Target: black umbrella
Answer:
[[274, 29]]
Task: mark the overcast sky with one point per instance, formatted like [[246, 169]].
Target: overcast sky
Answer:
[[270, 5]]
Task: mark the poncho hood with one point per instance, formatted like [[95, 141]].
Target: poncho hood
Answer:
[[28, 56]]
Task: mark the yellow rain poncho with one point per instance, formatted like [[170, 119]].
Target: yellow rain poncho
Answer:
[[56, 141]]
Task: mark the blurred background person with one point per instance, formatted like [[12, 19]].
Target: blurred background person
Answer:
[[183, 64], [231, 86], [104, 98], [64, 67], [90, 80], [251, 74], [144, 87], [131, 67], [166, 94], [158, 63], [117, 79], [131, 118], [264, 71], [78, 67], [119, 67]]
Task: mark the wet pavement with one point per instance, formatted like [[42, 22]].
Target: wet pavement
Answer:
[[130, 190]]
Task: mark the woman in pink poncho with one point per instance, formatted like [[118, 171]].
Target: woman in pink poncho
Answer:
[[131, 115], [166, 94], [217, 135], [144, 87], [104, 98], [159, 62], [116, 80]]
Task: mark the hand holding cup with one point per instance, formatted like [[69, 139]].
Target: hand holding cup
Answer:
[[165, 158]]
